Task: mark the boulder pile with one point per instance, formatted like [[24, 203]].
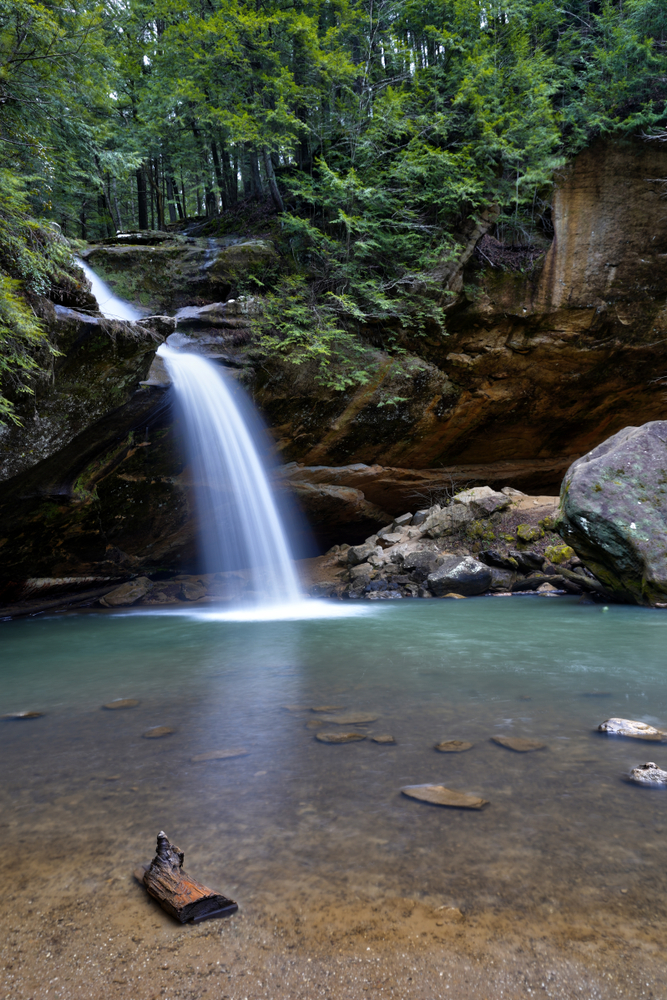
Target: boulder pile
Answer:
[[482, 541]]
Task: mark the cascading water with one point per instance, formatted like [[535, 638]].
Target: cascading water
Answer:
[[109, 304], [240, 524]]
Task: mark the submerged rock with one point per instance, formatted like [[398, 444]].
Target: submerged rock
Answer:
[[339, 737], [614, 512], [350, 718], [518, 743], [649, 774], [22, 715], [453, 746], [634, 730], [438, 795], [385, 738], [157, 731], [121, 703], [219, 754]]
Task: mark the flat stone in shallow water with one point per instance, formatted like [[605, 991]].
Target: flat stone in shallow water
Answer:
[[633, 730], [22, 715], [649, 774], [220, 754], [326, 708], [438, 795], [518, 744], [350, 718], [453, 746], [157, 731], [122, 703], [339, 737], [383, 739]]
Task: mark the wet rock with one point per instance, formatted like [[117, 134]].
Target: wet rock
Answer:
[[169, 593], [453, 746], [649, 774], [501, 579], [438, 795], [22, 715], [633, 730], [158, 731], [326, 708], [518, 744], [193, 590], [127, 593], [121, 703], [494, 557], [217, 754], [614, 512], [453, 596], [460, 575], [350, 718], [385, 738], [547, 589], [339, 737]]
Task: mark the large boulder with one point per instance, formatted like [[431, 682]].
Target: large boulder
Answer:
[[460, 575], [614, 512]]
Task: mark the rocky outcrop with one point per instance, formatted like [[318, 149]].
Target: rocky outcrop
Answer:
[[180, 270], [614, 512]]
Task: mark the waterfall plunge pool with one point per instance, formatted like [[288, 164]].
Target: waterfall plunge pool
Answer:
[[565, 841]]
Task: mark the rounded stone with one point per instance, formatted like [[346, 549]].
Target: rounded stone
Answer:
[[438, 795], [385, 738], [122, 703], [219, 754], [157, 731], [649, 774]]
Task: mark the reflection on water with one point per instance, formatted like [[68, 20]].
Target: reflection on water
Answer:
[[564, 832]]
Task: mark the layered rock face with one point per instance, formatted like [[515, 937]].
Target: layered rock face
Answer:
[[614, 512]]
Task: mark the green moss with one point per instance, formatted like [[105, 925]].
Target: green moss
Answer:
[[558, 553], [529, 533]]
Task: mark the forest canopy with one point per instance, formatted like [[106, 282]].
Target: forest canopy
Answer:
[[371, 129]]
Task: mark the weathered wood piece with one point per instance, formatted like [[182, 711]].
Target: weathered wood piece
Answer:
[[177, 892]]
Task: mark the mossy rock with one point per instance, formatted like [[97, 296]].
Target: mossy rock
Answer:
[[529, 533], [559, 553], [614, 512]]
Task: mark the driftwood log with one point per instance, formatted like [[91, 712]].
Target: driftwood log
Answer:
[[176, 891]]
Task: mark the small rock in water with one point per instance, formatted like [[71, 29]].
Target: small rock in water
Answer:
[[383, 739], [339, 737], [350, 718], [157, 731], [518, 744], [122, 703], [456, 597], [438, 795], [453, 746], [649, 774], [628, 727], [314, 724], [218, 754], [297, 708], [23, 715], [327, 708]]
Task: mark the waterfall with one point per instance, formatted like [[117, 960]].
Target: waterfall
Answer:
[[109, 304], [240, 525]]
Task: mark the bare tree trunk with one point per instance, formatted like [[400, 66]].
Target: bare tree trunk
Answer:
[[142, 199], [271, 178]]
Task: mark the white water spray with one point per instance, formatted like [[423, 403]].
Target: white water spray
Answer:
[[109, 304], [240, 525]]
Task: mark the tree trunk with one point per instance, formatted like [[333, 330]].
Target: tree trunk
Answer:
[[142, 199], [218, 174], [271, 178], [170, 199], [258, 188]]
